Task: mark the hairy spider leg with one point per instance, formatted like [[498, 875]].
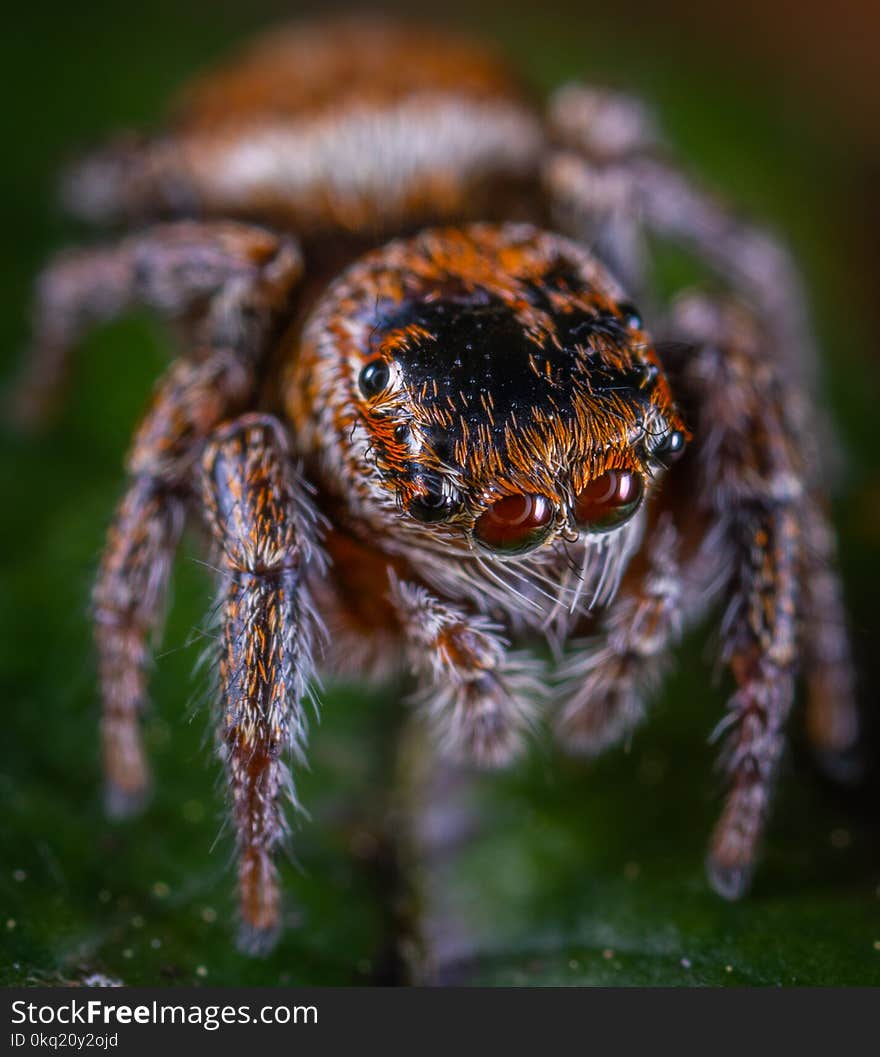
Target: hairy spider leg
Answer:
[[606, 682], [476, 691], [608, 165], [264, 529], [750, 483], [234, 280]]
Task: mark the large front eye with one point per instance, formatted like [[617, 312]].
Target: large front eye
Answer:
[[514, 524], [608, 500]]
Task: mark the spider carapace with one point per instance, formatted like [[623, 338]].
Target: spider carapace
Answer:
[[423, 421]]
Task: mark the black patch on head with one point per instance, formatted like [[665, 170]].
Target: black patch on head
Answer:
[[480, 368]]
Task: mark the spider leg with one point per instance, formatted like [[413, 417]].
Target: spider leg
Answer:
[[751, 484], [475, 691], [608, 163], [231, 278], [128, 602], [597, 132], [131, 588], [264, 531], [605, 685], [833, 721]]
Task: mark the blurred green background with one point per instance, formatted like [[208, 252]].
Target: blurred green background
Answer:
[[581, 874]]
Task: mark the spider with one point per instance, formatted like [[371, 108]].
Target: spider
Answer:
[[424, 424]]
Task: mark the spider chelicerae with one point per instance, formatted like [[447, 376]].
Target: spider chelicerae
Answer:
[[423, 421]]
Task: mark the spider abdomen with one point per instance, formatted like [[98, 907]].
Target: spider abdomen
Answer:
[[349, 126]]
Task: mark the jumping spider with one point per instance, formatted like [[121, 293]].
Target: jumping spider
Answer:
[[433, 447]]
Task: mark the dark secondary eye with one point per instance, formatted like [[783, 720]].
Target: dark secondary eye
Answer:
[[374, 377], [432, 507], [631, 315], [608, 500], [514, 524], [671, 446]]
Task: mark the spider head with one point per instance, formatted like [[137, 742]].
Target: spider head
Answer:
[[507, 393]]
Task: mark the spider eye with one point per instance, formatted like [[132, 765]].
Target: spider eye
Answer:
[[671, 445], [631, 316], [514, 524], [432, 507], [374, 377], [608, 500]]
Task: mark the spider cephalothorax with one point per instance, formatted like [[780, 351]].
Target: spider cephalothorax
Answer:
[[492, 386], [426, 449]]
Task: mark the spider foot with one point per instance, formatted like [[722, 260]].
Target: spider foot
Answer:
[[590, 724], [256, 941], [834, 725], [847, 767], [733, 852], [486, 729], [731, 881], [260, 893], [122, 803]]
